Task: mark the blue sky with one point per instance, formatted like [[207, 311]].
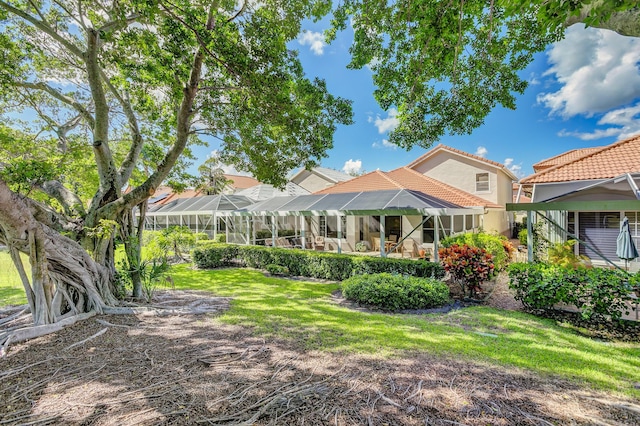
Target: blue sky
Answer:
[[584, 91]]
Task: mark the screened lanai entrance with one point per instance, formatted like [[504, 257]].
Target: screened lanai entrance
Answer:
[[348, 222], [591, 216]]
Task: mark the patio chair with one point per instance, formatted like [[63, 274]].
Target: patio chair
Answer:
[[284, 242], [268, 242], [376, 244], [319, 243], [409, 246], [297, 242]]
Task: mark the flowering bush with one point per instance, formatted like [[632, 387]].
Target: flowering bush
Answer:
[[469, 266], [499, 246]]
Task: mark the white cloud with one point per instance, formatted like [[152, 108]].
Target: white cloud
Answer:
[[516, 169], [481, 151], [385, 125], [352, 166], [597, 70], [385, 144], [314, 40], [623, 122]]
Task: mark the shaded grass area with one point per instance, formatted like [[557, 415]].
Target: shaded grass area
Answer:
[[303, 312], [11, 290]]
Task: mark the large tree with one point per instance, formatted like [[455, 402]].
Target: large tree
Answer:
[[446, 64], [140, 80]]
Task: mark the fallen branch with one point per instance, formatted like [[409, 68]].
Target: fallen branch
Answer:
[[10, 318], [99, 333], [29, 333]]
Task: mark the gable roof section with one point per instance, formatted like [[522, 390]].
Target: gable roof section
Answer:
[[333, 176], [265, 191], [242, 182], [563, 158], [406, 178], [442, 147], [605, 163]]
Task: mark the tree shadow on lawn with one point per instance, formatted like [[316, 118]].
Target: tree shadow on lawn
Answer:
[[186, 369]]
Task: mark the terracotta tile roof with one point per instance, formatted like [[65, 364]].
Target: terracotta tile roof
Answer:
[[406, 178], [242, 182], [442, 147], [563, 158], [605, 163], [188, 193]]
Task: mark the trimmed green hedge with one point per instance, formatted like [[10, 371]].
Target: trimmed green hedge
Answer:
[[396, 292], [308, 263], [599, 294]]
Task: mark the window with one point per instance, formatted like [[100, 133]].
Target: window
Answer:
[[427, 230], [329, 226], [482, 182]]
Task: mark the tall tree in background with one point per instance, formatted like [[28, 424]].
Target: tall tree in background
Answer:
[[446, 64], [212, 180], [143, 77]]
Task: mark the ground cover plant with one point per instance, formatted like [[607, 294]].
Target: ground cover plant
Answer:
[[283, 351]]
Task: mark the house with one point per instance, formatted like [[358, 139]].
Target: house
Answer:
[[236, 183], [422, 209], [443, 192], [318, 178], [584, 194], [483, 178], [421, 229]]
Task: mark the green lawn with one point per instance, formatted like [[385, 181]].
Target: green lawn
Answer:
[[302, 311], [11, 290]]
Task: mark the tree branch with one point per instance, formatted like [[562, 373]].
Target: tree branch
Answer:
[[129, 163], [183, 125], [62, 98], [44, 28], [624, 22]]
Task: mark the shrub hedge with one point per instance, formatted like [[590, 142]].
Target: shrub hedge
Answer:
[[308, 263], [600, 294], [395, 292]]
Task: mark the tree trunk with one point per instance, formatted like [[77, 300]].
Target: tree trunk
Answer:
[[65, 280], [624, 22], [131, 229]]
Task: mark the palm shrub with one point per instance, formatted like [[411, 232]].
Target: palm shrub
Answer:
[[395, 292], [468, 266]]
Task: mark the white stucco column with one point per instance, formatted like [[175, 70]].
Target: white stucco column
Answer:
[[436, 237], [303, 231], [383, 252], [339, 234], [529, 236]]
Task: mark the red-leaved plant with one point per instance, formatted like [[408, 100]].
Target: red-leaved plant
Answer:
[[469, 266]]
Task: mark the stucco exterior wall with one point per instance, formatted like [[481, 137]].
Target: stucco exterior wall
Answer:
[[460, 172], [497, 221], [312, 182]]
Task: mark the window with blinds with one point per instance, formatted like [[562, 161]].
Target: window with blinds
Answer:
[[482, 182]]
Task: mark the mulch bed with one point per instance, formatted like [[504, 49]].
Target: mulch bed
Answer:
[[188, 369]]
